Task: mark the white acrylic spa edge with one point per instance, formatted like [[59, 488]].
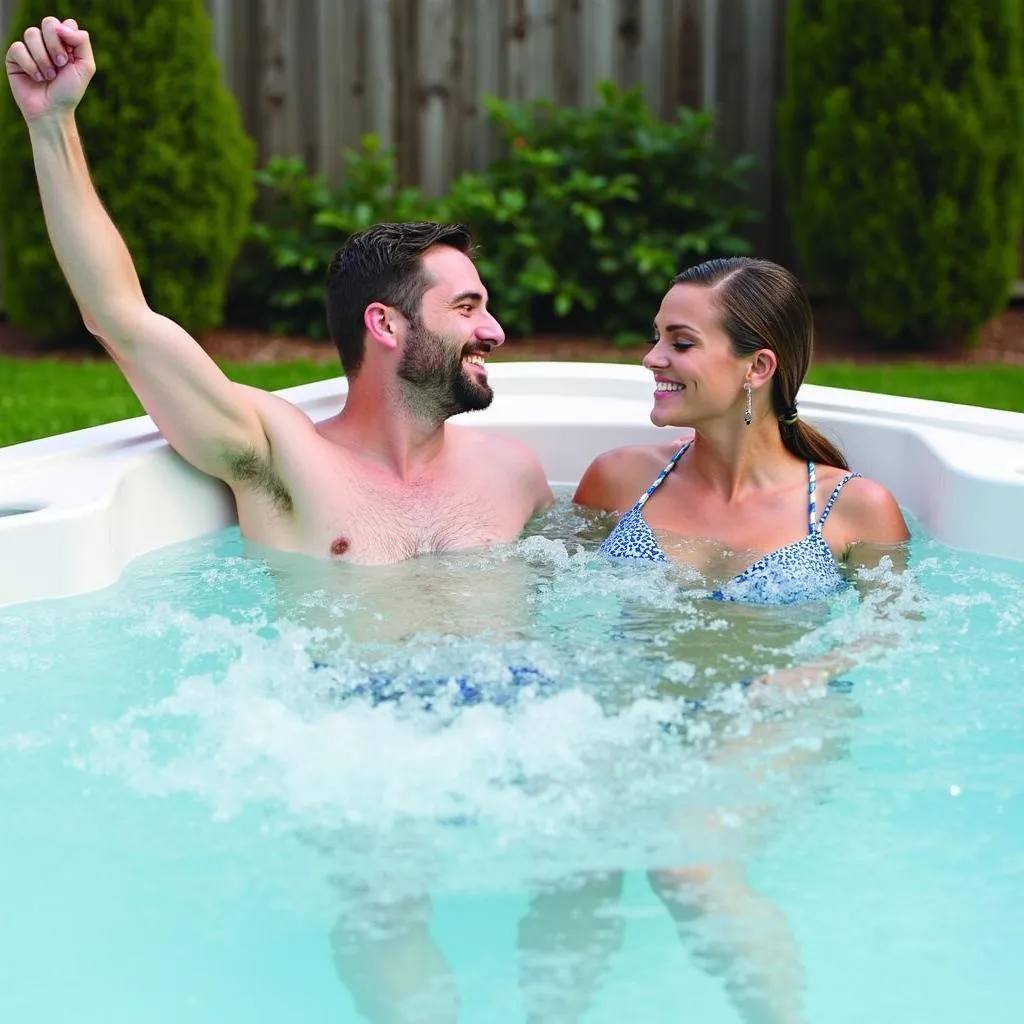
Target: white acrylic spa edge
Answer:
[[76, 508]]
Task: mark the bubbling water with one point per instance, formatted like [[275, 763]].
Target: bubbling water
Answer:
[[487, 719], [532, 719]]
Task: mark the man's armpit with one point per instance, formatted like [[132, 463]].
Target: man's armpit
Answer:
[[246, 467]]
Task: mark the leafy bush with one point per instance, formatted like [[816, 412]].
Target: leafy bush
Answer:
[[168, 155], [587, 217], [904, 157], [591, 211], [279, 282]]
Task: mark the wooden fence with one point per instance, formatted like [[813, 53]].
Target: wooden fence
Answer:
[[312, 76]]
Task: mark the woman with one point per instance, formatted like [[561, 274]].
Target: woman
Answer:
[[759, 502], [766, 510]]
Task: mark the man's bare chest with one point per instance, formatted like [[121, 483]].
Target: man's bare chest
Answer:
[[368, 522]]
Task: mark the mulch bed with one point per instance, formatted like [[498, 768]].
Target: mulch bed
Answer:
[[837, 338]]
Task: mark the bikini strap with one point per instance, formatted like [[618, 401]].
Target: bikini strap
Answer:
[[811, 488], [832, 500], [669, 466]]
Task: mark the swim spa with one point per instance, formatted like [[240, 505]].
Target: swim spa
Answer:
[[203, 825]]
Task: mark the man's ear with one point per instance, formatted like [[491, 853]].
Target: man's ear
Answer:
[[382, 324], [763, 368]]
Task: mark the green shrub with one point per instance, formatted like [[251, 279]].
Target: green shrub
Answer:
[[168, 155], [903, 150], [581, 224], [279, 282], [590, 212]]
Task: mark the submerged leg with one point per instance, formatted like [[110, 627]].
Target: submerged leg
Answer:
[[735, 932], [739, 935], [565, 941], [384, 954]]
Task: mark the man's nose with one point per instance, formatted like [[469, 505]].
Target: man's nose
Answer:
[[490, 330]]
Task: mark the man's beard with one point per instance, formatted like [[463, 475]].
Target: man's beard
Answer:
[[437, 384]]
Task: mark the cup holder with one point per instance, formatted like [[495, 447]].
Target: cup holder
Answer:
[[22, 508]]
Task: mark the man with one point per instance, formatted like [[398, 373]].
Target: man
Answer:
[[380, 482]]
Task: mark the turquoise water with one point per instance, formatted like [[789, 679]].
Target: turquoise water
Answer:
[[199, 824]]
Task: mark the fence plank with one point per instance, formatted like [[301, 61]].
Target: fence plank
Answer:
[[435, 94], [628, 41], [598, 21], [483, 71], [238, 46], [404, 20], [653, 43], [568, 50], [759, 116], [531, 49], [336, 51], [379, 83], [712, 34], [277, 75], [683, 55], [727, 84], [342, 84]]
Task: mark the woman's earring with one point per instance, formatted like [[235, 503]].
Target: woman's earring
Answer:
[[748, 414]]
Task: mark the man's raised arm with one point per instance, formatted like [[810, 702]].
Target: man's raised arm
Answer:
[[205, 417]]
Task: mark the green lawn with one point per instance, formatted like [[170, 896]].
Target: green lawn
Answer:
[[42, 397], [995, 386]]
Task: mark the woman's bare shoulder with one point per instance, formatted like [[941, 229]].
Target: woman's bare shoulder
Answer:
[[866, 511], [616, 478]]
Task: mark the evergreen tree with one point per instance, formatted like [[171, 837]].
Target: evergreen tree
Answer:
[[902, 133], [167, 153]]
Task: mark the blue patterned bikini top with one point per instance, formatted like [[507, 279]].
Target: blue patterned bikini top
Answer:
[[802, 571]]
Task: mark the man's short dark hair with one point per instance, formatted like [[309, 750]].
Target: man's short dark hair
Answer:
[[382, 264]]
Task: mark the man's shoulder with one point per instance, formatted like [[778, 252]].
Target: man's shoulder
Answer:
[[285, 423], [496, 446], [507, 459], [274, 405]]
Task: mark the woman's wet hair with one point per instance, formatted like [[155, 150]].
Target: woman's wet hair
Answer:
[[762, 305]]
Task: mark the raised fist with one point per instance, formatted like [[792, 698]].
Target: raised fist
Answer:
[[49, 68]]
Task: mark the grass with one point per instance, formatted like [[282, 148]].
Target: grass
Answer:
[[40, 397], [43, 397], [993, 385]]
